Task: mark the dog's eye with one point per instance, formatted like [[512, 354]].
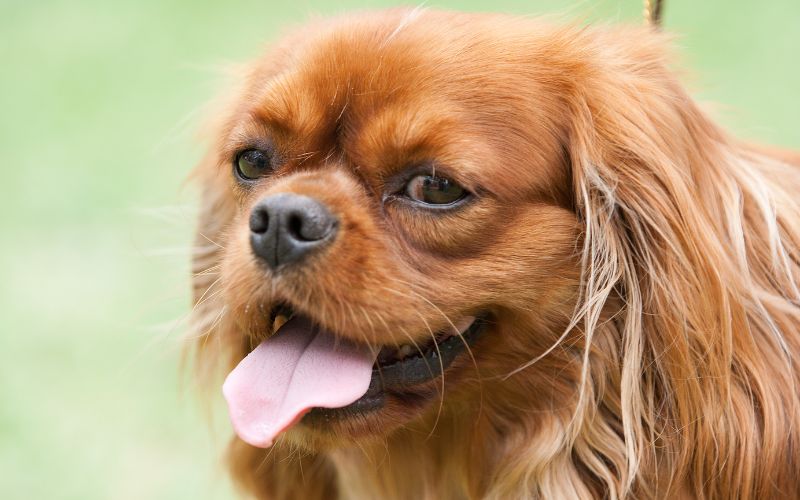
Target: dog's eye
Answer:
[[253, 163], [434, 190]]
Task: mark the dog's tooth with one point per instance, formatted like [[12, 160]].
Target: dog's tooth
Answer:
[[404, 351], [280, 320]]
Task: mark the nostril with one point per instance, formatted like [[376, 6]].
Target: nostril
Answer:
[[294, 226], [259, 221], [309, 224]]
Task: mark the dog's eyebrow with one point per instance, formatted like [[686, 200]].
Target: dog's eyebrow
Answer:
[[286, 106], [274, 112], [395, 135]]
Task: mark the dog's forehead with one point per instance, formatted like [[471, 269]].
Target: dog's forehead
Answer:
[[347, 78], [386, 92]]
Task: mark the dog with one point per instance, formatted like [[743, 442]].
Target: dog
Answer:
[[451, 255]]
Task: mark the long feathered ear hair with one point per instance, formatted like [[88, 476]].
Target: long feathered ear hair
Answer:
[[692, 249]]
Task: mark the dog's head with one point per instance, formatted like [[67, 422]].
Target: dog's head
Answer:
[[388, 185], [403, 211]]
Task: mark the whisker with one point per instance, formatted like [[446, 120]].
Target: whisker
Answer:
[[211, 271], [441, 371], [367, 455], [410, 339], [214, 323], [171, 214], [303, 157], [207, 334], [207, 296], [211, 241], [267, 455], [457, 332]]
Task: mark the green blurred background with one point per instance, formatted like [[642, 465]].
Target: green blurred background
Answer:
[[99, 103]]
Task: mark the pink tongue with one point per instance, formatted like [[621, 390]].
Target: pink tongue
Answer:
[[298, 368]]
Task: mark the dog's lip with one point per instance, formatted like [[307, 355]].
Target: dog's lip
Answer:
[[391, 358], [427, 364], [405, 374]]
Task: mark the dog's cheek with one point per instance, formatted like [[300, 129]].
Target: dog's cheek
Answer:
[[362, 282], [538, 303], [514, 261], [520, 259], [535, 259], [450, 234], [529, 277]]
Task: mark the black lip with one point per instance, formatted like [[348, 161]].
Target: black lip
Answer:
[[403, 375]]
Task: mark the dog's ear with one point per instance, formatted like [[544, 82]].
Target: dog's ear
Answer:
[[681, 226]]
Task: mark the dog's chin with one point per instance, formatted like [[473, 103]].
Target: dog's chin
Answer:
[[407, 382]]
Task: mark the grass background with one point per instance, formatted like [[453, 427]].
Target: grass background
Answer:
[[98, 104]]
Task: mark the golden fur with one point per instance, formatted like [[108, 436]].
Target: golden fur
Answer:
[[641, 266]]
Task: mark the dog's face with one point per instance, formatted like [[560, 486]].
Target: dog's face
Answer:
[[393, 188]]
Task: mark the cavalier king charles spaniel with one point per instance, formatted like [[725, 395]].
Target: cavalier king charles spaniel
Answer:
[[445, 255]]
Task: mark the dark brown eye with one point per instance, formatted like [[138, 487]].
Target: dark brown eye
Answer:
[[434, 190], [253, 163]]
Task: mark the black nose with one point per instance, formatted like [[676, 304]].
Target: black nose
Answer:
[[285, 228]]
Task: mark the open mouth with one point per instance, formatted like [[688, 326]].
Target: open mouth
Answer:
[[396, 370], [306, 373]]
